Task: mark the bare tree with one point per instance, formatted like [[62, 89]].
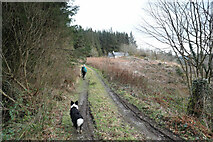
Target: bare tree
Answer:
[[26, 34], [30, 32], [187, 28], [131, 49]]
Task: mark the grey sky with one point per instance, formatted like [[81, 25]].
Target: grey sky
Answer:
[[120, 15]]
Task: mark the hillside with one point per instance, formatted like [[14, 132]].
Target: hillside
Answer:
[[157, 89]]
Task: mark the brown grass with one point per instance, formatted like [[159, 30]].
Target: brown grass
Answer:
[[116, 72], [146, 75], [156, 88]]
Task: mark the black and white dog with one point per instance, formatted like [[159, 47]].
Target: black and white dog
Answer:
[[75, 115]]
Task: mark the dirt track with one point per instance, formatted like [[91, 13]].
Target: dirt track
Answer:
[[88, 129], [129, 112]]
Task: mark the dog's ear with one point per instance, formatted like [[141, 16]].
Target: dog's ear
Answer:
[[76, 102], [72, 102]]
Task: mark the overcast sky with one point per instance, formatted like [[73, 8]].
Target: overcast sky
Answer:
[[120, 15]]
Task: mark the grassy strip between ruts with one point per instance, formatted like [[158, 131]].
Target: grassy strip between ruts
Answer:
[[109, 122]]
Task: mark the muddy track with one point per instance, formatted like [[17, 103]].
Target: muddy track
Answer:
[[137, 119], [88, 129]]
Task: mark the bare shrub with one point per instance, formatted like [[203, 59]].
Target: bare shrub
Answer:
[[117, 73], [155, 55], [187, 28], [131, 48], [32, 64]]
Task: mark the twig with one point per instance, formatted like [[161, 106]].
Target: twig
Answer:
[[7, 96], [21, 85], [14, 100], [8, 67], [206, 124], [11, 75]]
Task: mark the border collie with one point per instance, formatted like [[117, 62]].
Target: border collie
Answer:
[[75, 115]]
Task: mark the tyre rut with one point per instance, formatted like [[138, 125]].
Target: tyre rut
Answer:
[[88, 129]]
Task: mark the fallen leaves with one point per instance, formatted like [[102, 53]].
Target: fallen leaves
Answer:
[[188, 126]]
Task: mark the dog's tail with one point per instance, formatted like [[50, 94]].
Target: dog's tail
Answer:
[[80, 122]]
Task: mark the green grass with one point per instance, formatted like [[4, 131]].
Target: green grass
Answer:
[[109, 123], [29, 126]]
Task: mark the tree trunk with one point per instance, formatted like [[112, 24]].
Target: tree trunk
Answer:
[[196, 101]]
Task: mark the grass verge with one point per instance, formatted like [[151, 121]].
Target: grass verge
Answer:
[[50, 122]]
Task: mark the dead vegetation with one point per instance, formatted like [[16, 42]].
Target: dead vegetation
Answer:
[[156, 88]]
